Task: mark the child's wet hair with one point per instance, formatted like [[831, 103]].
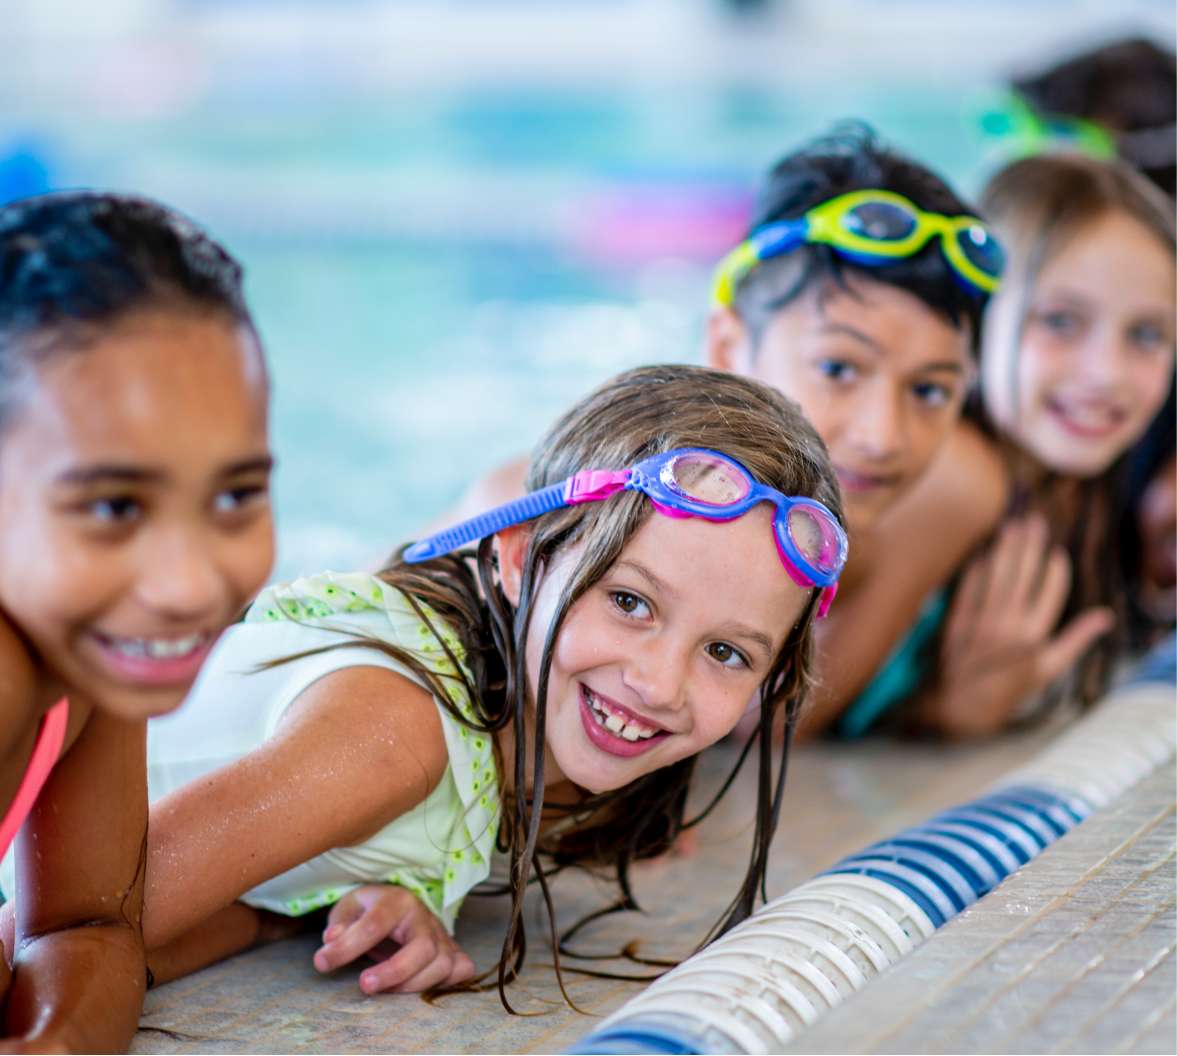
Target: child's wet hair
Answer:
[[638, 414], [75, 262], [851, 158]]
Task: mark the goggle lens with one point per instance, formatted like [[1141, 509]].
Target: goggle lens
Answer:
[[879, 222], [815, 538], [705, 479], [981, 249]]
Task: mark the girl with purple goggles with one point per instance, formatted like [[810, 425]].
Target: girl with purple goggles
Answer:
[[687, 482]]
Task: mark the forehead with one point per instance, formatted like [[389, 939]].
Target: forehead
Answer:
[[904, 331], [144, 389], [721, 570], [1112, 253]]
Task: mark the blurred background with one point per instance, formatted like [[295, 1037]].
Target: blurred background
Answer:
[[457, 215]]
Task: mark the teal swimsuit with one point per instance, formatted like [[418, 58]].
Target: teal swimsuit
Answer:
[[901, 673]]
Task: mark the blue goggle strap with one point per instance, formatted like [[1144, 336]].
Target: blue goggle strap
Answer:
[[510, 513]]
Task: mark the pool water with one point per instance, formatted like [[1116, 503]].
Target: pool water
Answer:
[[436, 278]]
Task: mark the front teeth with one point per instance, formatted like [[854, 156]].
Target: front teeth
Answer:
[[614, 723], [158, 648]]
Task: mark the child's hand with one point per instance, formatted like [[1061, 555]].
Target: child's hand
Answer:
[[998, 648], [386, 921]]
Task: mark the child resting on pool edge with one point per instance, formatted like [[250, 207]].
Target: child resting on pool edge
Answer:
[[590, 677], [134, 525]]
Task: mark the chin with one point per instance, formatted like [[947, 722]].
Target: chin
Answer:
[[138, 707], [1072, 463]]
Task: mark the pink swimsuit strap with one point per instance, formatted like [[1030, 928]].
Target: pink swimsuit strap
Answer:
[[47, 748]]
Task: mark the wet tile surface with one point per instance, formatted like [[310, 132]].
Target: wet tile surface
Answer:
[[839, 798]]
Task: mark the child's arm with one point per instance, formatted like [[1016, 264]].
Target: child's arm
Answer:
[[412, 949], [229, 931], [915, 548], [79, 970], [355, 750]]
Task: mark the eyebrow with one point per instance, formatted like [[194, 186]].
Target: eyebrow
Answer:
[[124, 473], [864, 338], [850, 331], [658, 584], [742, 630]]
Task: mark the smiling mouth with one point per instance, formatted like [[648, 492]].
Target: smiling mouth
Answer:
[[155, 648], [1088, 421], [615, 729], [160, 661]]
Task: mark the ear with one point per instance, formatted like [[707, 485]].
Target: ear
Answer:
[[728, 345], [511, 546]]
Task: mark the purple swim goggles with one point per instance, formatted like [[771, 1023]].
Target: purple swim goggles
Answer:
[[689, 482]]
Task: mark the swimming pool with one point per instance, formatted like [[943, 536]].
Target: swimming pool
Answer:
[[436, 277]]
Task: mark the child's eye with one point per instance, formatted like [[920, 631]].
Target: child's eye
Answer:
[[728, 655], [1061, 323], [1147, 336], [932, 393], [233, 499], [628, 603], [837, 370], [120, 509]]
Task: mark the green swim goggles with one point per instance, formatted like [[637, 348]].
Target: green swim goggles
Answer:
[[871, 228], [1029, 131]]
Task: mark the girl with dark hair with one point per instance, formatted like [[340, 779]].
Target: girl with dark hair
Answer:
[[134, 524], [1078, 360], [369, 742]]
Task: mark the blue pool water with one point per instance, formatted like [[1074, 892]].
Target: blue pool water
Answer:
[[435, 278]]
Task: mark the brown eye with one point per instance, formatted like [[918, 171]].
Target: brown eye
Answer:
[[628, 603], [727, 655]]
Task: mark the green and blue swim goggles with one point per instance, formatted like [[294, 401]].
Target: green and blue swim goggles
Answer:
[[1029, 131], [871, 228]]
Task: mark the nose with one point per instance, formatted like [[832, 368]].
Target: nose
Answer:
[[179, 575], [657, 672], [1103, 356], [879, 429]]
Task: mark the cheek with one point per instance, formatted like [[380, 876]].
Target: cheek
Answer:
[[251, 560], [725, 709], [1151, 381]]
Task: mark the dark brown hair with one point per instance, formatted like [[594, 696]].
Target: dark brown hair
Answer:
[[638, 414]]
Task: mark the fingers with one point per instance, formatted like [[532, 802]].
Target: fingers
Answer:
[[1031, 546], [1051, 599], [426, 960], [356, 925], [1064, 650], [960, 627]]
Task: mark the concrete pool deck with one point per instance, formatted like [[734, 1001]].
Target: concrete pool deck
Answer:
[[840, 797]]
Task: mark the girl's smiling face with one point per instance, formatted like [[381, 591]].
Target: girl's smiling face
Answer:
[[134, 505], [660, 657], [1091, 364]]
